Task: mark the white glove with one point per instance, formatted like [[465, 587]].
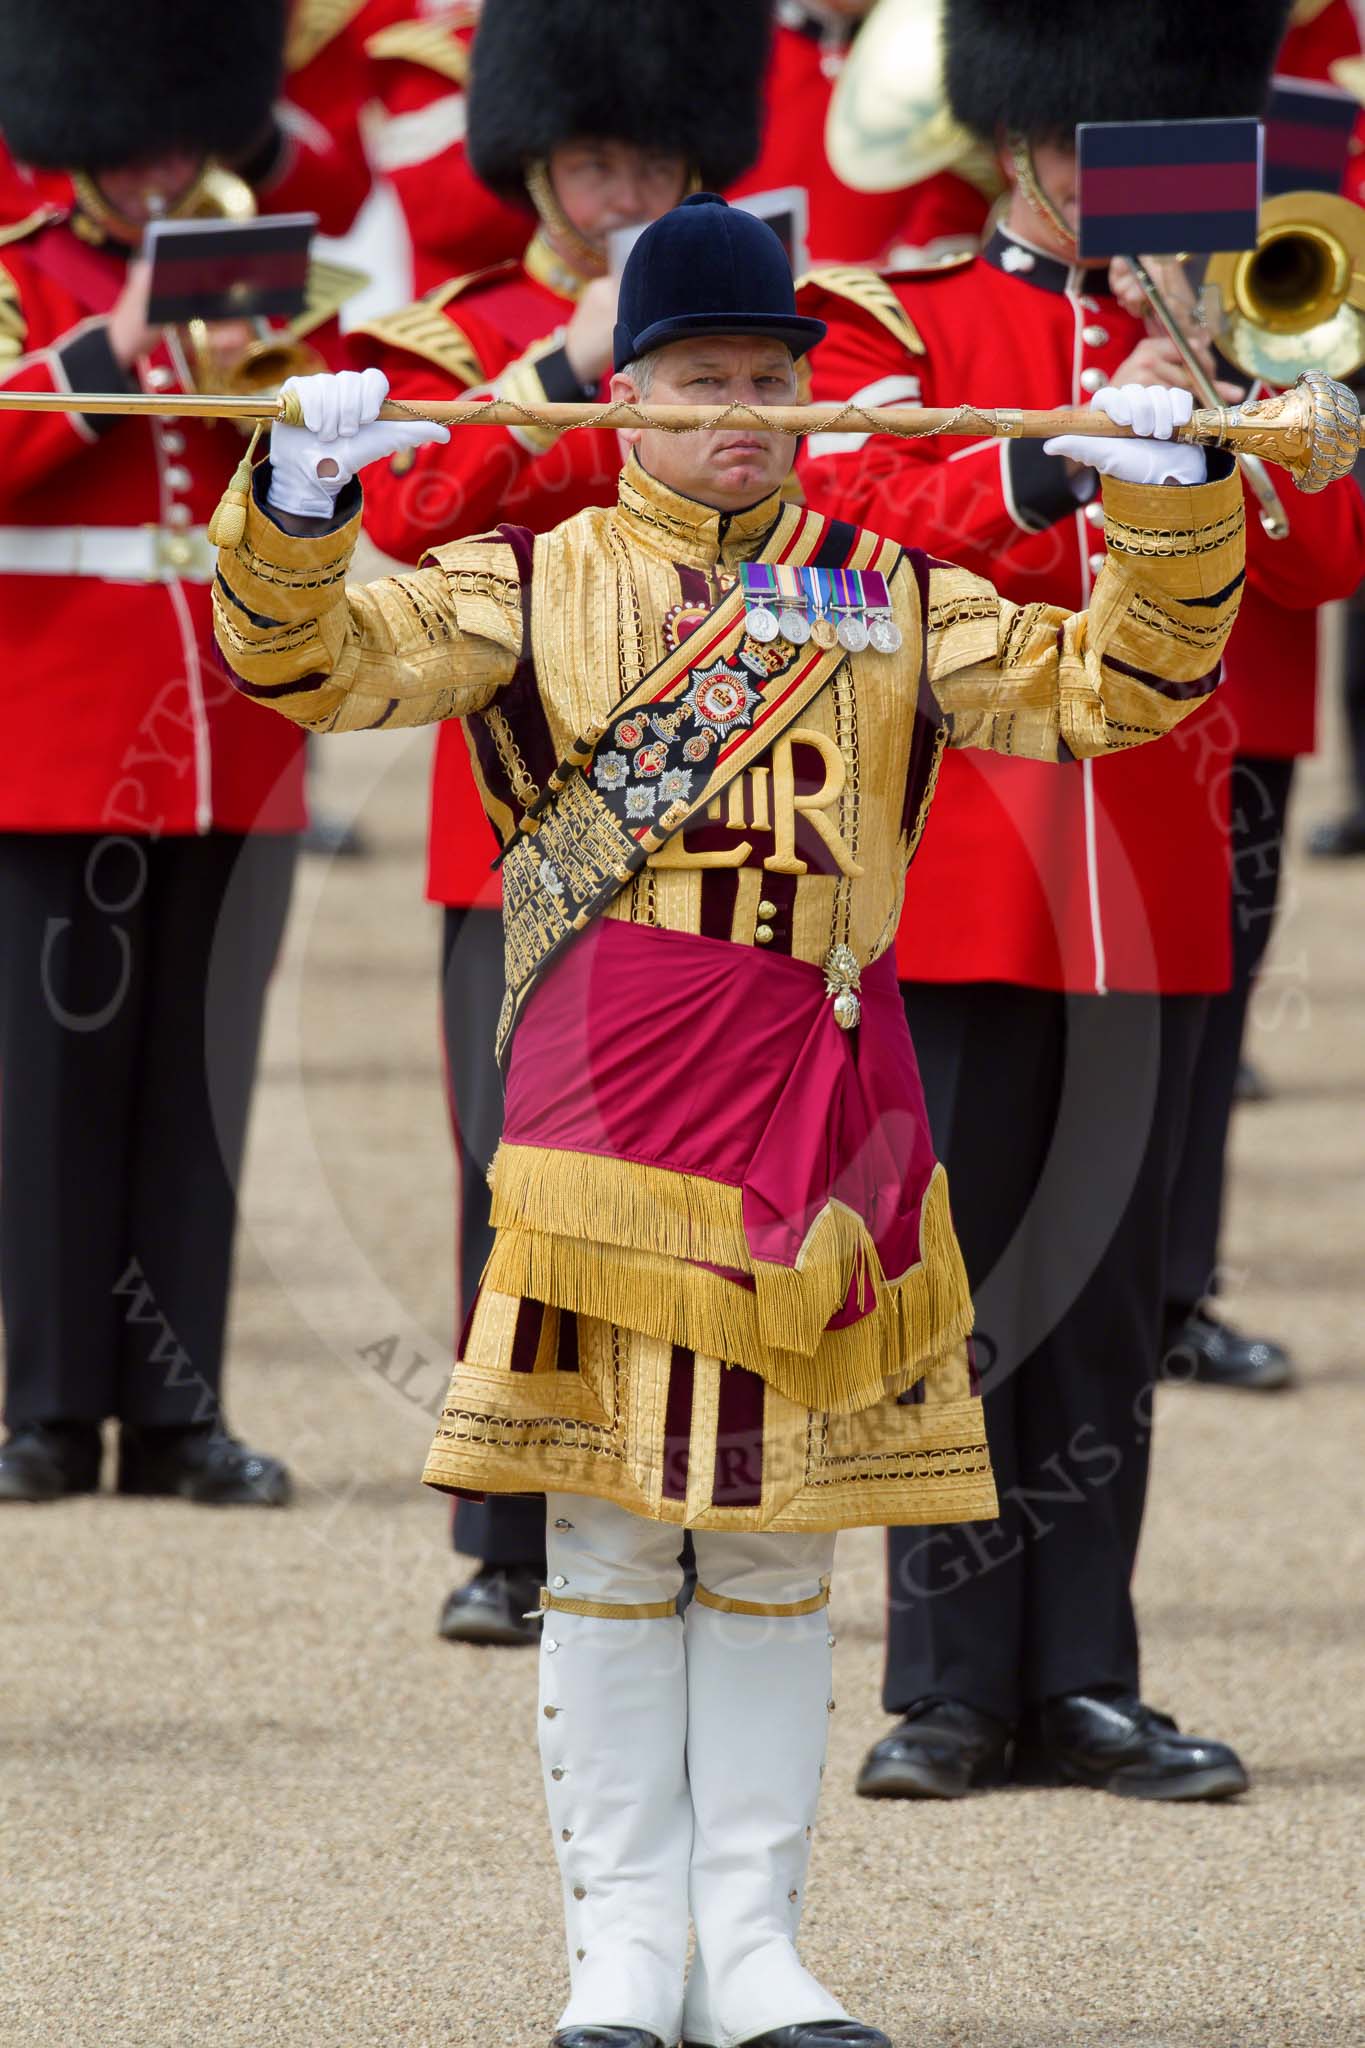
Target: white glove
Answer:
[[344, 431], [1153, 411]]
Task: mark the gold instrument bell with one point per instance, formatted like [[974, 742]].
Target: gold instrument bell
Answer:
[[1296, 301], [889, 124]]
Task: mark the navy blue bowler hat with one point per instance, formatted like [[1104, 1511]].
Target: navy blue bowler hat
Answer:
[[708, 268]]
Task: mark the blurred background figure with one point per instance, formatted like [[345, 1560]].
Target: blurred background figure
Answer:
[[1324, 44], [576, 125], [822, 128], [1267, 708], [1066, 998], [304, 152], [420, 53], [148, 816]]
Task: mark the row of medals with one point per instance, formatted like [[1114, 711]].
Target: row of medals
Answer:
[[853, 632]]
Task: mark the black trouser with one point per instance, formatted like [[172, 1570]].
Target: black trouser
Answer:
[[132, 984], [1353, 690], [1059, 1120], [504, 1529], [1260, 804]]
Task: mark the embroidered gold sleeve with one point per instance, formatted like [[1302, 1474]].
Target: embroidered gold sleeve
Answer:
[[408, 650], [1046, 684]]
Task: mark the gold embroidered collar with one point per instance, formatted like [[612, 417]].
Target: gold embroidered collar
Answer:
[[664, 521]]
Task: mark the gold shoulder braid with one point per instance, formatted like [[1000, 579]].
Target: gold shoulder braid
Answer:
[[314, 24], [13, 325], [423, 329], [432, 44], [869, 291]]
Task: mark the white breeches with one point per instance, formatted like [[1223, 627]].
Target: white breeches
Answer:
[[682, 1770]]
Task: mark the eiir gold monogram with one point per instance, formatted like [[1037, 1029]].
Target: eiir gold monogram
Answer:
[[751, 805]]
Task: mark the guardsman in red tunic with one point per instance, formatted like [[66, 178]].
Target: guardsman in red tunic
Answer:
[[1268, 712], [148, 817], [306, 155], [420, 61], [811, 44], [313, 160], [1324, 43], [580, 117], [1055, 935]]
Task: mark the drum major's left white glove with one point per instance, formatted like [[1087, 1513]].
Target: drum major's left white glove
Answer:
[[1153, 411]]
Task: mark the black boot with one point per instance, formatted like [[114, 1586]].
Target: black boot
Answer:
[[1121, 1745], [939, 1751], [49, 1460], [1202, 1350], [200, 1463], [605, 2037], [492, 1607], [1251, 1084], [1339, 838]]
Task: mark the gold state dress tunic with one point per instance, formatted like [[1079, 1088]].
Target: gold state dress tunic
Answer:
[[624, 1342]]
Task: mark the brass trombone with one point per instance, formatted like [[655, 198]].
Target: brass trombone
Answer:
[[1297, 300]]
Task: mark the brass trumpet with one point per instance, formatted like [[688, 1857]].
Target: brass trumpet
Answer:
[[1296, 301]]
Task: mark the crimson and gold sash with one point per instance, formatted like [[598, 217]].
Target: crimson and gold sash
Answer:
[[670, 747]]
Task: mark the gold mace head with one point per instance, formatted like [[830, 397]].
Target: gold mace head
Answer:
[[1312, 430]]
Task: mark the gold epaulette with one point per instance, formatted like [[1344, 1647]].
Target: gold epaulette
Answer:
[[41, 217], [326, 290], [422, 329], [868, 290], [945, 264], [13, 324], [432, 44], [312, 25]]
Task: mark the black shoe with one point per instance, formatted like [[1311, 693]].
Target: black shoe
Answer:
[[493, 1606], [939, 1751], [1212, 1354], [817, 2034], [1120, 1745], [49, 1460], [605, 2037], [333, 838], [203, 1464], [1339, 838], [1251, 1084]]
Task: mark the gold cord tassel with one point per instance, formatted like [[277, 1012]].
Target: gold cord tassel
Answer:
[[228, 523]]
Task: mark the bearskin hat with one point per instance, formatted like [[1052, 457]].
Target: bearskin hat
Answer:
[[1038, 67], [93, 85], [683, 76]]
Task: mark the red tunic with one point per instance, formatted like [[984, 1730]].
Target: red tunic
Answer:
[[843, 226], [477, 333], [420, 66], [1310, 50], [1270, 695], [322, 167], [117, 712], [1111, 874], [1314, 45]]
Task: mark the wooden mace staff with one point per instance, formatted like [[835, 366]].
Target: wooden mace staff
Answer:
[[1312, 430]]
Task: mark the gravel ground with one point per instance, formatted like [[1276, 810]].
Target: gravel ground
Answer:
[[249, 1798]]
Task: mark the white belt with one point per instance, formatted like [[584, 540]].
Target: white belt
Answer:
[[119, 554]]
